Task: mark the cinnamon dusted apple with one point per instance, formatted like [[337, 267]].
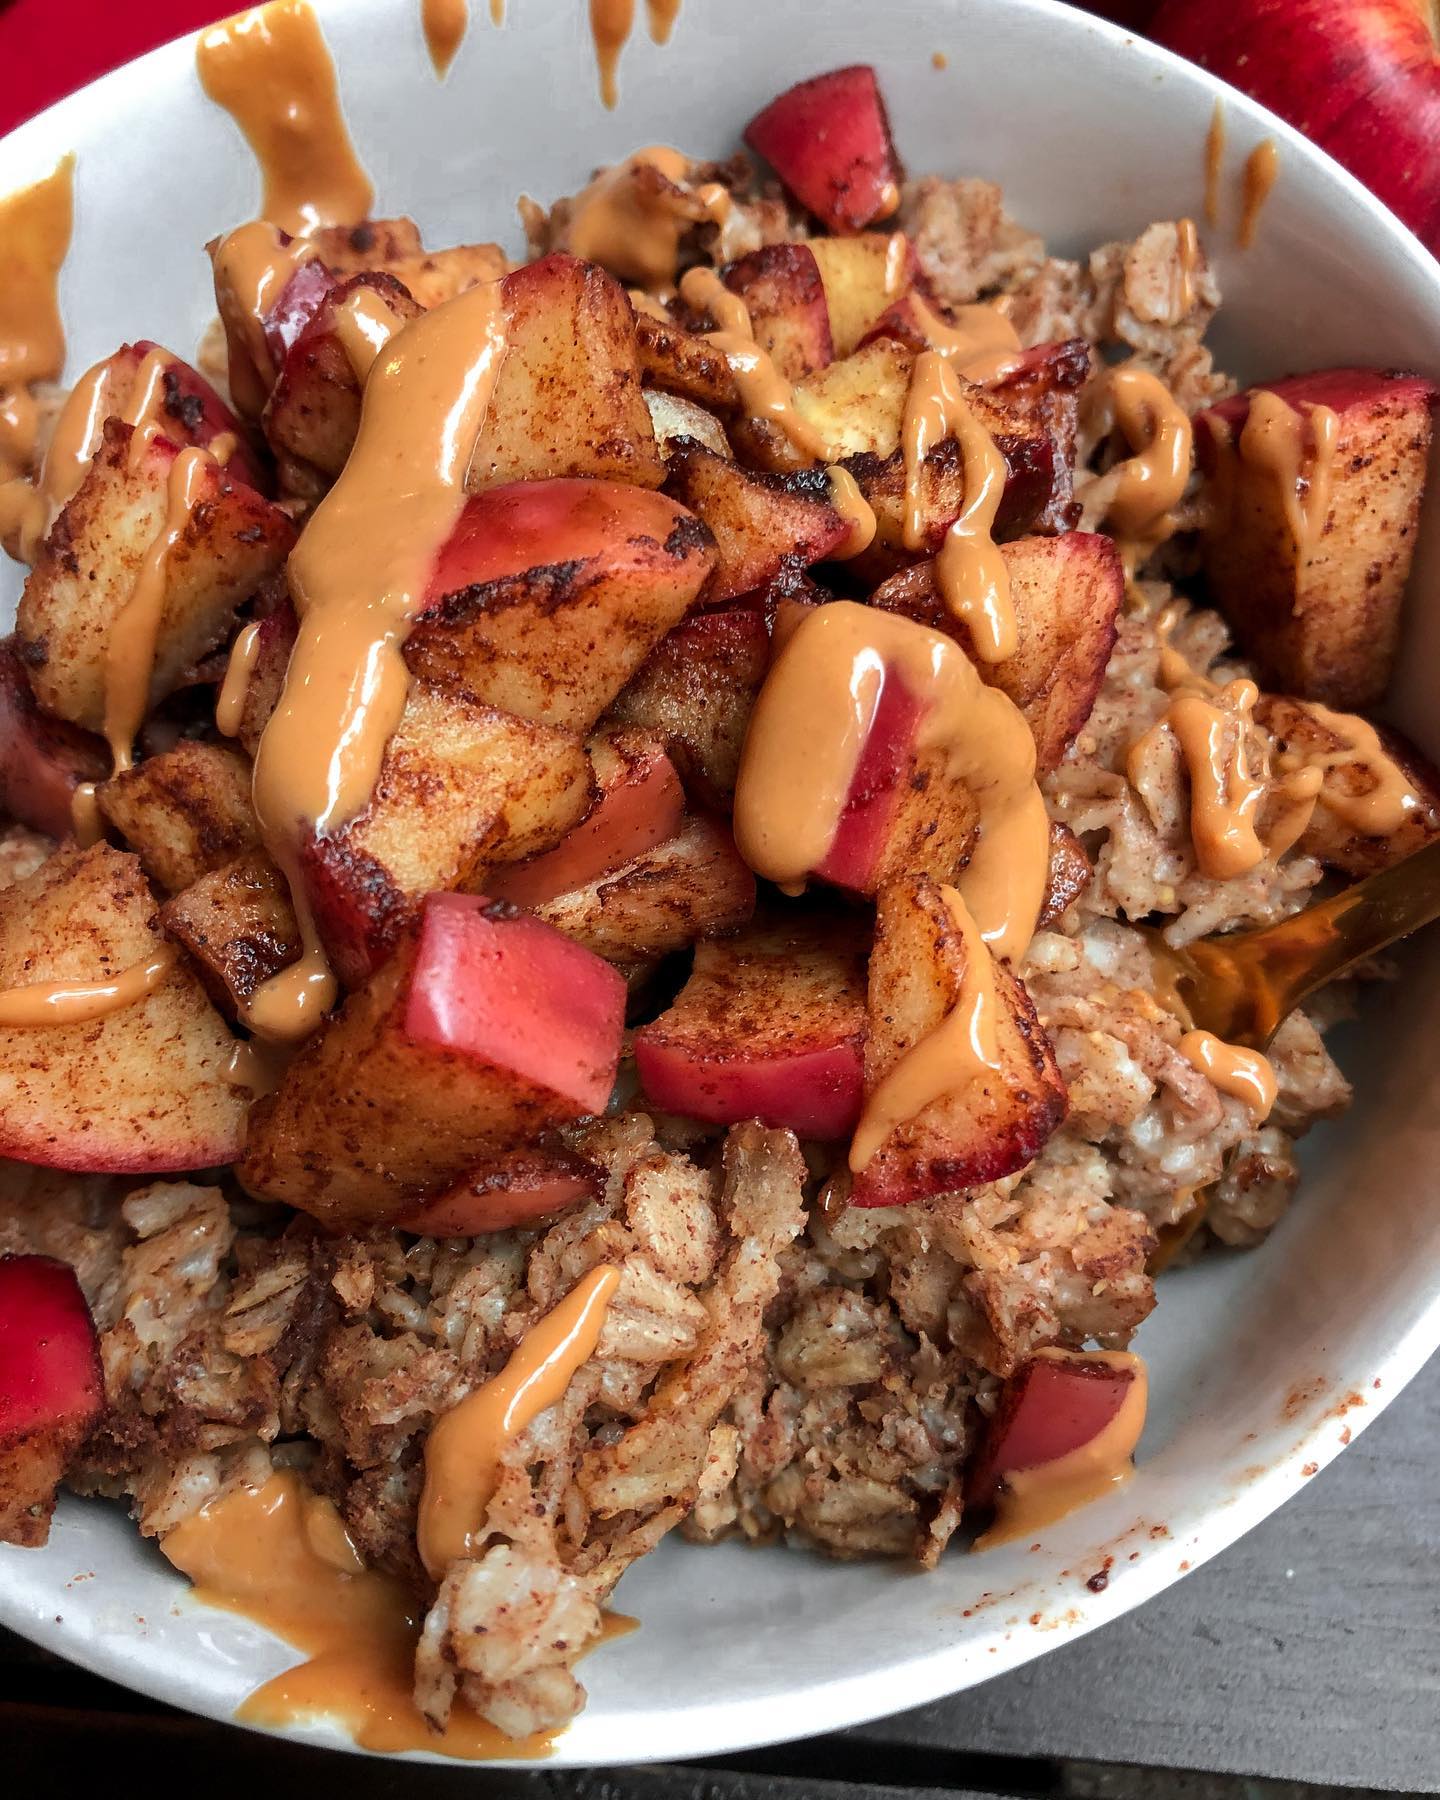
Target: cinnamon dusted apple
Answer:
[[42, 759], [828, 139]]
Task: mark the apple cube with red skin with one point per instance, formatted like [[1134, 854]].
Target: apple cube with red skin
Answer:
[[52, 1389], [696, 691], [85, 574], [679, 360], [508, 1193], [191, 412], [781, 287], [42, 760], [863, 278], [139, 1091], [828, 139], [770, 1026], [986, 1128], [761, 524], [483, 1030], [549, 595], [1066, 593], [1324, 626], [1052, 1406], [640, 804], [274, 641]]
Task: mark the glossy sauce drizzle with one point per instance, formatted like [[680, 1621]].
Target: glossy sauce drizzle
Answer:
[[981, 343], [633, 226], [280, 1555], [1297, 451], [610, 25], [357, 576], [1245, 1074], [961, 1049], [466, 1444], [34, 236], [809, 728], [230, 702], [445, 23], [854, 509], [1391, 798], [970, 572], [1140, 493], [252, 266], [1225, 790], [43, 1003], [1214, 164], [1031, 1499], [269, 68], [30, 510], [1262, 166]]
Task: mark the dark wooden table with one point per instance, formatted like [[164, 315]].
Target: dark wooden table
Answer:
[[1305, 1661]]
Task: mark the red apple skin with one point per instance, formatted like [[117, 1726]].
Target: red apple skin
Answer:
[[641, 809], [854, 854], [816, 1094], [829, 141], [1051, 1406], [296, 305], [495, 984], [1338, 389], [506, 1194], [42, 760], [192, 413], [51, 1388], [1359, 77]]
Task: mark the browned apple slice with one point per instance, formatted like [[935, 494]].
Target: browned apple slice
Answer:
[[238, 926], [184, 812], [781, 287], [863, 276], [42, 760]]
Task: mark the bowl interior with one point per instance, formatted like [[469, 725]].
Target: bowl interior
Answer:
[[1261, 1365]]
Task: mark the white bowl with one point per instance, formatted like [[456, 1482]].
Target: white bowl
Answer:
[[1262, 1365]]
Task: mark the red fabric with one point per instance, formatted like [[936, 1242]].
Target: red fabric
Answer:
[[56, 46]]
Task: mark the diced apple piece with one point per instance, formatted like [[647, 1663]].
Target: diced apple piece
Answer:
[[313, 411], [1069, 875], [483, 1029], [184, 812], [435, 276], [1053, 1405], [857, 405], [770, 1026], [42, 760], [694, 886], [372, 244], [139, 1090], [238, 927], [507, 1193], [676, 419], [780, 285], [828, 139], [988, 1127], [550, 594], [696, 691], [52, 1389], [1067, 593], [191, 412], [684, 362], [640, 804], [863, 276], [1323, 625], [273, 643], [461, 786], [86, 572], [567, 400], [761, 523], [1329, 837]]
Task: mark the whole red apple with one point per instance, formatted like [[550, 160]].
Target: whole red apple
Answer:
[[1359, 77]]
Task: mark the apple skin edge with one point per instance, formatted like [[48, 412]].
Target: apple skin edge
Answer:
[[1051, 1406], [1361, 78], [889, 750]]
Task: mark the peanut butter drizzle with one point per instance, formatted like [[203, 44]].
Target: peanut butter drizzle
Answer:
[[357, 576], [629, 226], [364, 326], [280, 1555], [252, 266], [1225, 792], [1262, 166], [445, 23], [466, 1445], [1214, 164], [1187, 261], [649, 305], [497, 12], [959, 1051], [982, 344], [661, 16], [1245, 1074], [854, 509], [610, 24], [39, 1004], [764, 391], [1393, 798], [1143, 490], [257, 1068], [130, 652], [86, 824], [970, 572], [269, 68], [1032, 1499], [808, 730], [30, 511], [34, 236], [1297, 450], [230, 702]]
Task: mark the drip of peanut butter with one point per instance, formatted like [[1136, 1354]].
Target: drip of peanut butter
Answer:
[[29, 511], [1296, 450], [854, 509], [1214, 164], [1139, 494], [252, 265], [444, 23], [661, 15], [364, 326], [809, 728], [1225, 791], [34, 237], [230, 702], [631, 223], [39, 1004], [271, 71], [1262, 166], [467, 1444], [970, 572], [1245, 1074], [358, 575], [981, 344], [1187, 261], [610, 25], [962, 1049]]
